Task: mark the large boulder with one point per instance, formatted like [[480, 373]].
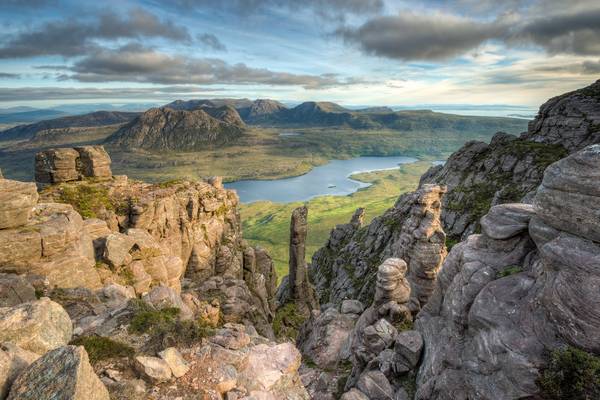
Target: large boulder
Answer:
[[267, 366], [13, 360], [17, 200], [37, 326], [61, 374], [94, 161], [56, 166], [15, 289]]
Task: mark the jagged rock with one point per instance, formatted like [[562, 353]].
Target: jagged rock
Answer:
[[352, 307], [570, 120], [117, 296], [162, 297], [17, 200], [153, 369], [116, 249], [375, 386], [94, 162], [408, 347], [232, 336], [37, 326], [391, 284], [266, 366], [324, 337], [227, 378], [300, 289], [14, 290], [346, 266], [56, 165], [173, 358], [506, 220], [61, 374], [354, 394], [13, 360]]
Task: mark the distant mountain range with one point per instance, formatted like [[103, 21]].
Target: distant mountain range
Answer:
[[194, 124]]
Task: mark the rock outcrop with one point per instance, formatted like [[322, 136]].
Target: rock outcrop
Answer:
[[16, 202], [71, 164], [64, 373], [411, 230], [525, 286]]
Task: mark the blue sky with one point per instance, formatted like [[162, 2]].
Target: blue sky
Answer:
[[355, 52]]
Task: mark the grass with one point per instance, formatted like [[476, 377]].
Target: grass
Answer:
[[101, 348], [287, 322], [87, 199], [571, 374], [514, 269], [266, 224]]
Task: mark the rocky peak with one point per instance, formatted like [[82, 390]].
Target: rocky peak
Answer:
[[168, 129], [571, 120], [70, 164]]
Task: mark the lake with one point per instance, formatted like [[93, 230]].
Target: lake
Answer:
[[332, 178]]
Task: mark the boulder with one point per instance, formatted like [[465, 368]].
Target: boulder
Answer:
[[15, 289], [153, 369], [173, 358], [17, 200], [352, 307], [375, 386], [94, 162], [354, 394], [161, 297], [61, 374], [56, 166], [507, 220], [38, 326], [266, 365], [408, 347], [13, 360], [231, 336]]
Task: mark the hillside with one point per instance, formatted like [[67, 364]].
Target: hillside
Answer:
[[168, 129], [98, 118]]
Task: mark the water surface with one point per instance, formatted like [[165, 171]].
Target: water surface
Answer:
[[332, 178]]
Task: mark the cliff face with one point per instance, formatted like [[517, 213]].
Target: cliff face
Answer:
[[509, 169], [169, 129], [526, 285], [411, 230]]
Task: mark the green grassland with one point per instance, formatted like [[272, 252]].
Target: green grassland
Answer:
[[267, 224]]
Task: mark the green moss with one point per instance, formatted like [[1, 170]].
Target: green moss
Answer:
[[287, 321], [405, 325], [169, 183], [87, 199], [101, 348], [543, 154], [515, 269], [571, 374], [451, 241]]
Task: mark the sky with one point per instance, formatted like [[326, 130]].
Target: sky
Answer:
[[354, 52]]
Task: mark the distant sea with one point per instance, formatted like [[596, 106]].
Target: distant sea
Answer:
[[525, 112]]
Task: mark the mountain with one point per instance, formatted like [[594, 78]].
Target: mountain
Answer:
[[17, 109], [261, 110], [169, 129], [98, 118], [194, 104], [28, 116]]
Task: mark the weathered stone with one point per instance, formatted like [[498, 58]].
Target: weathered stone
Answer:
[[354, 394], [153, 369], [375, 386], [162, 297], [17, 200], [173, 358], [391, 283], [506, 220], [352, 307], [266, 365], [61, 374], [37, 326], [227, 378], [13, 360], [232, 336], [56, 166], [94, 162], [408, 347], [14, 290], [116, 249]]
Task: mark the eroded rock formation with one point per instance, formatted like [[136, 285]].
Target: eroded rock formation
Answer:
[[525, 285], [411, 230], [71, 164]]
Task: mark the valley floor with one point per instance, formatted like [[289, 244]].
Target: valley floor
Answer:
[[267, 224]]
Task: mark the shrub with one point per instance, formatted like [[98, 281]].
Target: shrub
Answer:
[[102, 348], [571, 374], [287, 321]]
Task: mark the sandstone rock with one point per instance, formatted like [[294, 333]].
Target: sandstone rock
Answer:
[[352, 307], [13, 360], [408, 347], [94, 161], [227, 378], [354, 394], [232, 336], [14, 290], [162, 297], [153, 369], [266, 365], [37, 326], [116, 296], [56, 166], [63, 373], [116, 249], [173, 358], [391, 284], [375, 386], [17, 200], [506, 220]]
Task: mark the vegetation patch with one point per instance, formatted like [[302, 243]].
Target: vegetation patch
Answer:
[[409, 383], [571, 374], [287, 321], [515, 269], [86, 199], [451, 241], [102, 348]]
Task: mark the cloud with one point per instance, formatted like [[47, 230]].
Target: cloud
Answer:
[[411, 36], [5, 75], [135, 63], [211, 41], [324, 8], [571, 33], [61, 93], [72, 38]]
